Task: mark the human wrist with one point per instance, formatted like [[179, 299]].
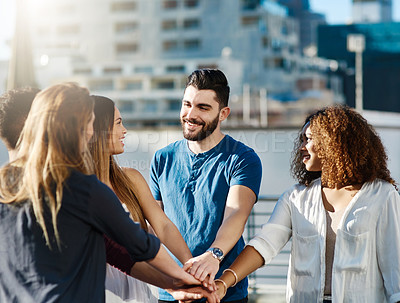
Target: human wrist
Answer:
[[212, 258], [234, 275], [217, 253], [180, 280], [225, 287]]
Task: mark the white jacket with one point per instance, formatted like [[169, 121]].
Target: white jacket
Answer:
[[366, 265]]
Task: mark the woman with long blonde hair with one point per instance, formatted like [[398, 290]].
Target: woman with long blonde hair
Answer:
[[130, 187], [53, 214]]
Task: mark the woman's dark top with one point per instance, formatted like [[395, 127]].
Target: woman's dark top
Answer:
[[31, 272]]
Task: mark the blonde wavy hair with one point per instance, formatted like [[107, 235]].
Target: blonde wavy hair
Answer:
[[50, 146], [105, 166], [350, 150]]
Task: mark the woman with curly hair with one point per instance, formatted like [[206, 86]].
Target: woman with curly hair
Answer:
[[343, 217]]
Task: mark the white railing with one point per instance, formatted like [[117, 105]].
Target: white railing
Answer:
[[271, 278]]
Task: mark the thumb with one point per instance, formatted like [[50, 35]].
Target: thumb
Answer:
[[187, 266]]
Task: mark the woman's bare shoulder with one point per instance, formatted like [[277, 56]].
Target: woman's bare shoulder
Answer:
[[132, 173]]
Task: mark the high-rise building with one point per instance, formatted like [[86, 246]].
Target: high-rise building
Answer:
[[372, 11], [380, 62], [139, 52], [308, 21]]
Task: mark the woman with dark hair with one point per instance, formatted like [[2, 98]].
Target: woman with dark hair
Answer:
[[343, 217], [53, 213], [133, 192]]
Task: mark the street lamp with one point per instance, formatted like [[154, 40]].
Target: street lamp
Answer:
[[356, 43]]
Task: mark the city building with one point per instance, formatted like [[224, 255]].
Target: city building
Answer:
[[139, 52], [372, 11], [380, 62], [308, 22]]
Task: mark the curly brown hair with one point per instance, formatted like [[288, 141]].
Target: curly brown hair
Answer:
[[350, 150]]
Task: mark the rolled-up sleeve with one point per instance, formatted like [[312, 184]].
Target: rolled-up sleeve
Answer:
[[388, 246], [276, 232]]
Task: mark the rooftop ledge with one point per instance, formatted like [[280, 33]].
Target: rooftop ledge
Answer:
[[382, 119]]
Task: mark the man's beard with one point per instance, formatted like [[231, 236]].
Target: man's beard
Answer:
[[204, 132]]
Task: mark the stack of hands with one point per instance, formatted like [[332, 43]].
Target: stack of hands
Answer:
[[201, 283]]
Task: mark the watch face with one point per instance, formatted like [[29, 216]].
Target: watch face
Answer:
[[218, 253]]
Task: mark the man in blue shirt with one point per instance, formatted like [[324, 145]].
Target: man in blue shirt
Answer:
[[208, 182]]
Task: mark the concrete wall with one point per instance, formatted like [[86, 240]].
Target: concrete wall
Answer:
[[273, 146]]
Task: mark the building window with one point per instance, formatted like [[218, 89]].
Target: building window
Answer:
[[250, 4], [150, 106], [82, 71], [192, 44], [211, 66], [250, 20], [191, 23], [126, 48], [170, 4], [168, 25], [133, 85], [265, 42], [170, 45], [100, 85], [175, 69], [143, 70], [112, 70], [284, 30], [276, 45], [274, 63], [165, 84], [125, 27], [191, 3], [174, 105], [68, 29], [123, 6], [126, 106]]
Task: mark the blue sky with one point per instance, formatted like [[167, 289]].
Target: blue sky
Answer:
[[336, 12], [339, 11]]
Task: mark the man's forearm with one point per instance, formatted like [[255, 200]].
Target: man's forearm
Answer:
[[230, 231], [239, 204]]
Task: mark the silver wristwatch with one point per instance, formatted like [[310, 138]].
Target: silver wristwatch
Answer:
[[217, 253]]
